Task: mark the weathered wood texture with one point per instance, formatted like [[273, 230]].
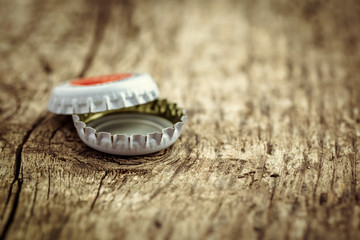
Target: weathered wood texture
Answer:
[[271, 147]]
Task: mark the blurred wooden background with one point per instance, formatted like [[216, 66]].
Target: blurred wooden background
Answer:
[[270, 149]]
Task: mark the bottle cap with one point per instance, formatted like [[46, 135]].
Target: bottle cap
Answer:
[[97, 94], [119, 113]]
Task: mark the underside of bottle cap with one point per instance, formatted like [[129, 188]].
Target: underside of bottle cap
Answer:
[[103, 93], [137, 130]]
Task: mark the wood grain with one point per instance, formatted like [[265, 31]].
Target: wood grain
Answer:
[[270, 149]]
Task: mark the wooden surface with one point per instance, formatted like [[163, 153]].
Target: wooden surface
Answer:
[[270, 149]]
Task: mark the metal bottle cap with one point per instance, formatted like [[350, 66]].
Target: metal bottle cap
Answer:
[[97, 94], [120, 113]]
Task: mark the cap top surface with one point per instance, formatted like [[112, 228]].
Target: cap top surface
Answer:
[[102, 93], [100, 79]]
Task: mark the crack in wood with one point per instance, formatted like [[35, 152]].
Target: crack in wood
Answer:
[[53, 133], [13, 209], [17, 178], [98, 191]]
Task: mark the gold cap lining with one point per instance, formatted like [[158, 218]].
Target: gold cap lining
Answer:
[[159, 107]]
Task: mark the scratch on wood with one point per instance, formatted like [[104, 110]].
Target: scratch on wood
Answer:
[[160, 189], [34, 199], [49, 185], [319, 169], [98, 191]]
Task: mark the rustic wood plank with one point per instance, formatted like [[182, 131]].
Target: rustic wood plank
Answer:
[[271, 147]]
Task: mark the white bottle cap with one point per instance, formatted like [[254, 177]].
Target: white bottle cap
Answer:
[[98, 94]]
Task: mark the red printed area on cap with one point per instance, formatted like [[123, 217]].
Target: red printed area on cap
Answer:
[[100, 79]]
